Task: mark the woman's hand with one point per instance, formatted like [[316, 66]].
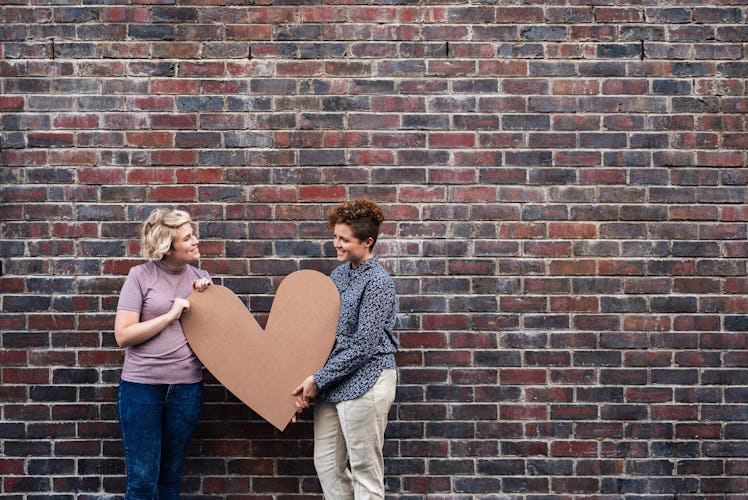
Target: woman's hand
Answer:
[[201, 284], [177, 308], [305, 393]]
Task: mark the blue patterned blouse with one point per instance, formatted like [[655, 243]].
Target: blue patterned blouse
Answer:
[[365, 343]]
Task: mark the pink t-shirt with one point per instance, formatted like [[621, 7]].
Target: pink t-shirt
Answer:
[[166, 358]]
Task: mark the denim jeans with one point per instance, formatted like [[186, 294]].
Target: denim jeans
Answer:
[[157, 422]]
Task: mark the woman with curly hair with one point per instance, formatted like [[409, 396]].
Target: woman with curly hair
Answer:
[[355, 388], [161, 391]]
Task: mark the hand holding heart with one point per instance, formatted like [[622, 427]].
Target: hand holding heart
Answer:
[[306, 392], [263, 367]]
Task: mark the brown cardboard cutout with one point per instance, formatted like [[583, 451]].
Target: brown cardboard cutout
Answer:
[[262, 367]]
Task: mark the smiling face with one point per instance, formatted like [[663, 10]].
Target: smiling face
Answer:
[[348, 247], [184, 249]]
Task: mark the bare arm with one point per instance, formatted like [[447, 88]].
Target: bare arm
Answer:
[[129, 330]]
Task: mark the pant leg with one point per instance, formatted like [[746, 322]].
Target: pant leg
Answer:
[[139, 408], [330, 454], [182, 407], [363, 422]]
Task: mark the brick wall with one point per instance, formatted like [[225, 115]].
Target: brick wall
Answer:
[[565, 183]]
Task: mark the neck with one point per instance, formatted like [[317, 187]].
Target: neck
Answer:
[[171, 264], [354, 265]]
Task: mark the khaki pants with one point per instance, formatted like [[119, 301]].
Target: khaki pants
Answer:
[[352, 433]]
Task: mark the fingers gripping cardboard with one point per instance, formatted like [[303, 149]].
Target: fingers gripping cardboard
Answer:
[[262, 367]]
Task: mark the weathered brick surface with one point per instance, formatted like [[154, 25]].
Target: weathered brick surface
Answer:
[[565, 184]]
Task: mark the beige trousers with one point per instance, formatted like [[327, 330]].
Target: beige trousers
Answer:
[[348, 442]]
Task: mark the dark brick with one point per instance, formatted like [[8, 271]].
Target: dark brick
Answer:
[[616, 51], [298, 32], [150, 32], [609, 358], [174, 14], [474, 485]]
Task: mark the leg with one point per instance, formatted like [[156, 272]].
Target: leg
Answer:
[[330, 455], [363, 422], [182, 409], [139, 409]]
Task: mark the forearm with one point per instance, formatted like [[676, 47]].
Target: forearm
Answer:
[[139, 332], [340, 364]]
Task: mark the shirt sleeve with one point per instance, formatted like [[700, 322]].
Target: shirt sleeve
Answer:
[[131, 296], [351, 352]]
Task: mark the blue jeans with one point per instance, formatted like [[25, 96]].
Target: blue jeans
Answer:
[[157, 422]]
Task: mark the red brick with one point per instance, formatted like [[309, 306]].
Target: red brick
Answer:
[[273, 15], [201, 175], [586, 87], [119, 14], [575, 304], [523, 412], [597, 322], [522, 376], [173, 157], [508, 69], [201, 69], [51, 322], [13, 357], [154, 103], [445, 322], [372, 157], [572, 230], [618, 15], [174, 86], [646, 323], [574, 449], [698, 431], [76, 121], [25, 375], [174, 121], [150, 176], [451, 140], [12, 103], [624, 87], [321, 193], [172, 193]]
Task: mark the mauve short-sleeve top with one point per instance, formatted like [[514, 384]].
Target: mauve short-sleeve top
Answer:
[[165, 358]]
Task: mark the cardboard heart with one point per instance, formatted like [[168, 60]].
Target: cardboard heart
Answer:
[[262, 367]]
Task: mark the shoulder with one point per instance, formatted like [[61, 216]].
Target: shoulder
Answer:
[[198, 273], [378, 271], [141, 269], [341, 270], [379, 278]]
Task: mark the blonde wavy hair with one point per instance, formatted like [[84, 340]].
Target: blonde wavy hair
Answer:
[[157, 234]]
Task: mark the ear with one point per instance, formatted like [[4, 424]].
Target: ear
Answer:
[[368, 242]]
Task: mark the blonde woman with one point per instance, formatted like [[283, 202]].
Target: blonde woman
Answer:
[[161, 391]]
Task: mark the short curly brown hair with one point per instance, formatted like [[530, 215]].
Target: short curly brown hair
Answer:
[[363, 215]]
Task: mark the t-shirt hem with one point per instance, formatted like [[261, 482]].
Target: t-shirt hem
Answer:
[[148, 381]]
